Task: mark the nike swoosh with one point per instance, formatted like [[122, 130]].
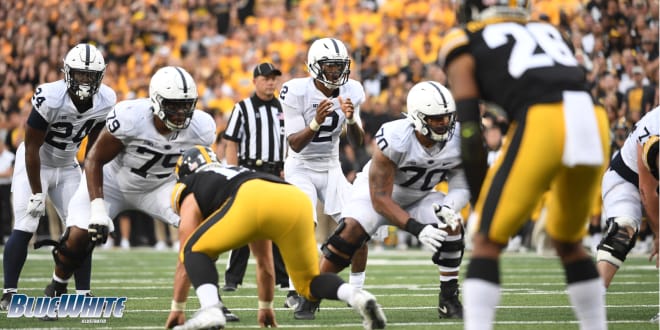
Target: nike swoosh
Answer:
[[443, 309]]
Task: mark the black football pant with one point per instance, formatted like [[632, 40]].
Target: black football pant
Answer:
[[238, 263]]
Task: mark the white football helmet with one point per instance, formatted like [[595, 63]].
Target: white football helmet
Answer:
[[328, 62], [173, 95], [84, 68], [430, 98]]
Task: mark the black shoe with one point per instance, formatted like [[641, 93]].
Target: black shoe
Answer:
[[54, 289], [6, 300], [450, 308], [231, 317], [305, 309], [230, 287]]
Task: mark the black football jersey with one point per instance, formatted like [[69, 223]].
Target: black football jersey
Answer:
[[214, 186], [518, 63]]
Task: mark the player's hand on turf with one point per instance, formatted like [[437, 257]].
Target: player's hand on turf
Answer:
[[174, 319], [36, 205], [266, 318], [432, 237]]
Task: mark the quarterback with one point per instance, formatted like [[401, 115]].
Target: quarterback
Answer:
[[64, 112], [316, 110]]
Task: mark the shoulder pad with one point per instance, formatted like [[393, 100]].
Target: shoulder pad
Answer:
[[129, 114], [454, 41], [107, 96], [355, 91], [49, 95], [203, 125]]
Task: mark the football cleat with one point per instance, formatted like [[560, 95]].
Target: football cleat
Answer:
[[292, 300], [450, 308], [372, 314], [230, 287], [210, 317], [54, 289], [305, 309], [229, 315], [6, 300]]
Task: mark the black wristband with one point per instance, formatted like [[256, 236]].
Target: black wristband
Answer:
[[414, 227], [468, 110]]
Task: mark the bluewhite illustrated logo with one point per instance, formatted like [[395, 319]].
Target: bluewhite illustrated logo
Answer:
[[67, 305]]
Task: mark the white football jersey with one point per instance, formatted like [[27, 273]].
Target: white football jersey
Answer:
[[148, 158], [420, 169], [647, 126], [300, 98], [66, 126]]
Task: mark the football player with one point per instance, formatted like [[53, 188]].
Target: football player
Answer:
[[316, 110], [221, 209], [396, 186], [64, 112], [132, 165], [558, 142], [622, 202]]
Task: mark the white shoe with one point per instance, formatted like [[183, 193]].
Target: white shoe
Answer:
[[125, 244], [109, 244], [372, 315], [208, 317], [175, 246], [160, 246]]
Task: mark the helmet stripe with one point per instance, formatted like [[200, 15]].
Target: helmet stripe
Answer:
[[440, 92], [205, 154], [334, 42], [183, 77], [87, 51]]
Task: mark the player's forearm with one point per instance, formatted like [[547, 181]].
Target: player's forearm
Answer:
[[263, 254], [389, 209], [301, 139], [473, 150], [181, 283], [355, 134]]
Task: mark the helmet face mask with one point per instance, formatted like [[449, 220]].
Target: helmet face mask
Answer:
[[432, 110], [173, 95], [84, 69], [193, 160], [328, 62]]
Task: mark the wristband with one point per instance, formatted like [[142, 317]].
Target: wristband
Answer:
[[414, 227], [351, 121], [265, 304], [314, 125], [178, 306], [98, 206]]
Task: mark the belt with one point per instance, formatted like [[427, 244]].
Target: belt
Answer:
[[261, 166]]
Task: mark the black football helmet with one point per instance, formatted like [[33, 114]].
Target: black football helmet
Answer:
[[193, 159]]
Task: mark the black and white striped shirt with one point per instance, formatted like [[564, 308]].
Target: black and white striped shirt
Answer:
[[258, 127]]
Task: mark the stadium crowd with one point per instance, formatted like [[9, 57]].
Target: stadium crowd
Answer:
[[393, 44]]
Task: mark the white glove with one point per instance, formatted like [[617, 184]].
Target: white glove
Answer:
[[432, 237], [100, 224], [447, 217], [37, 205]]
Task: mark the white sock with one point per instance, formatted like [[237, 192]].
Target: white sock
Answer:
[[480, 299], [588, 300], [357, 279], [82, 292], [345, 293], [58, 279], [207, 295], [291, 287]]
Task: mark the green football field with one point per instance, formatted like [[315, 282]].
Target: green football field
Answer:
[[405, 283]]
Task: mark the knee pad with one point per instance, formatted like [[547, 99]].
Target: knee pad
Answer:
[[449, 256], [616, 243], [69, 259], [340, 245]]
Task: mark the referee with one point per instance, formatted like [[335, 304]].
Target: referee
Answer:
[[255, 139]]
